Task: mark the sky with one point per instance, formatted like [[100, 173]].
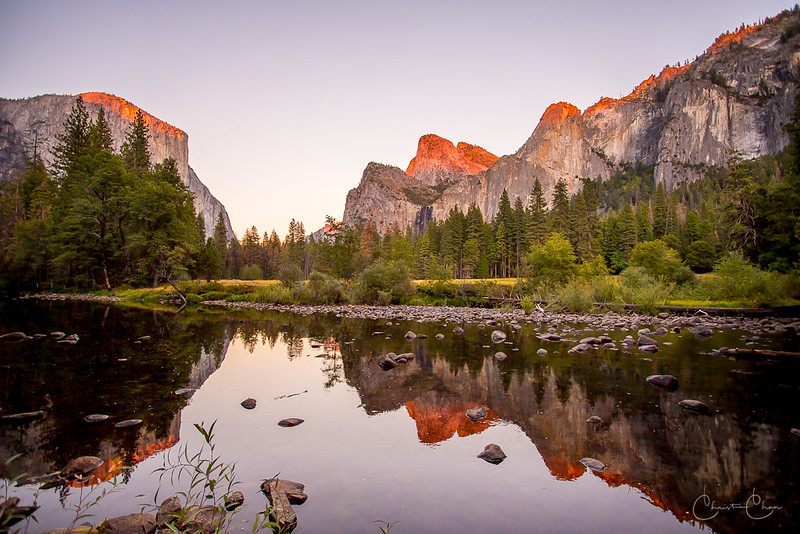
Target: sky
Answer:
[[286, 101]]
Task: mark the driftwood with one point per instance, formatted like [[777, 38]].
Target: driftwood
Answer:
[[22, 417], [762, 353]]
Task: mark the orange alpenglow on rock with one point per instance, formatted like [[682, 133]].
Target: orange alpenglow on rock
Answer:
[[437, 153], [126, 110], [558, 113]]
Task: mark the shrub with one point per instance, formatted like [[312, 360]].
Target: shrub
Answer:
[[382, 283], [657, 259], [605, 289], [701, 256], [576, 296], [290, 274], [682, 276], [554, 261], [640, 288], [250, 272], [325, 289], [735, 278], [593, 267]]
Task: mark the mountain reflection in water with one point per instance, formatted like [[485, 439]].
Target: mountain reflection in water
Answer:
[[669, 456]]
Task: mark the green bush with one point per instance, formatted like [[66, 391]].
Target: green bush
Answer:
[[605, 289], [657, 259], [735, 278], [576, 296], [215, 295], [250, 272], [593, 267], [682, 276], [640, 288], [381, 283], [325, 289], [553, 262], [290, 274], [701, 256]]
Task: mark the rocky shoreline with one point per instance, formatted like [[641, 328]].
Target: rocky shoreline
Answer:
[[699, 322]]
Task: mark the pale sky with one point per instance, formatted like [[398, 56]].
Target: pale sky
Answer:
[[285, 102]]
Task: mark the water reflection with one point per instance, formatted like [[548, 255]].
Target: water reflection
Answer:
[[670, 456]]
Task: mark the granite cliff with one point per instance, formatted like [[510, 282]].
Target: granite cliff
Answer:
[[733, 99], [34, 123]]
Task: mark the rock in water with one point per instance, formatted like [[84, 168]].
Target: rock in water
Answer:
[[290, 422], [493, 454], [128, 423], [542, 352], [695, 406], [95, 418], [14, 336], [500, 356], [439, 336], [410, 335], [169, 511], [249, 403], [234, 500], [458, 330], [595, 419], [128, 524], [498, 336], [594, 465], [281, 510], [644, 340], [81, 466], [387, 362], [207, 519], [477, 413], [295, 491], [668, 382], [701, 332]]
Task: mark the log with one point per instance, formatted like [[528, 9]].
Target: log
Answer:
[[281, 511], [763, 353], [22, 417]]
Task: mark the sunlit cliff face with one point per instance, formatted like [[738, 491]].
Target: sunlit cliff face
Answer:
[[440, 419], [127, 111], [437, 152]]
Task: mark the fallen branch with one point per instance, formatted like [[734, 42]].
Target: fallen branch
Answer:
[[765, 353], [289, 395]]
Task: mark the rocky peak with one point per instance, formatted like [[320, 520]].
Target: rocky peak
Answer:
[[438, 160], [557, 113]]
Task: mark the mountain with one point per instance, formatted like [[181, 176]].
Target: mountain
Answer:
[[733, 99], [34, 123], [388, 196]]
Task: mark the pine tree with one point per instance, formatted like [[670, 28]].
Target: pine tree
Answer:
[[74, 143], [560, 211], [100, 134], [135, 149], [537, 216], [660, 212], [221, 238]]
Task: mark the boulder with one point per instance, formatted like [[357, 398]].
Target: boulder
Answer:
[[498, 336], [595, 419], [387, 362], [593, 464], [95, 418], [582, 348], [458, 330], [439, 336], [644, 340], [14, 336], [281, 511], [169, 511], [668, 382], [128, 423], [542, 352], [249, 403], [130, 524], [695, 406], [234, 500], [648, 348], [290, 422], [205, 520], [500, 356], [701, 332], [493, 454], [477, 413], [81, 466], [590, 341], [410, 335]]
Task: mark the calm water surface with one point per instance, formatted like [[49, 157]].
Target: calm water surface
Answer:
[[396, 445]]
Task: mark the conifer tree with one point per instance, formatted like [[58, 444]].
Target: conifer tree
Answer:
[[560, 211], [537, 216], [74, 143], [660, 212], [100, 134], [136, 149]]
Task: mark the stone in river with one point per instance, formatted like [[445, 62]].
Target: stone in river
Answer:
[[206, 519], [648, 348], [290, 422], [477, 413], [128, 423], [58, 334], [668, 382], [249, 403], [439, 336], [126, 524], [458, 330], [500, 356], [701, 332], [234, 500], [594, 465], [583, 348], [695, 406], [183, 391], [14, 335], [422, 336], [594, 419], [169, 511], [295, 491], [542, 352], [644, 340], [376, 334], [81, 466], [410, 335], [281, 511], [386, 362], [498, 336], [95, 418], [493, 454]]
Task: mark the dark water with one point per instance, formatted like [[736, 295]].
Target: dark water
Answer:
[[395, 445]]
